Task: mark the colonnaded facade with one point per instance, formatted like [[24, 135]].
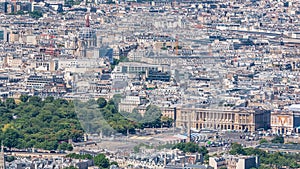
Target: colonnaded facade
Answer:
[[249, 119]]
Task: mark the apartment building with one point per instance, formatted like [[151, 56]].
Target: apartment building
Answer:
[[37, 82], [234, 162], [135, 67]]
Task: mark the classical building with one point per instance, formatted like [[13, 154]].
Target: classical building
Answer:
[[286, 121], [165, 111], [246, 119], [129, 103]]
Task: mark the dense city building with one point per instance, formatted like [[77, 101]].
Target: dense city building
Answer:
[[206, 67]]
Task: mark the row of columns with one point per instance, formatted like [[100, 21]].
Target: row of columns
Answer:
[[218, 120], [212, 116], [283, 130]]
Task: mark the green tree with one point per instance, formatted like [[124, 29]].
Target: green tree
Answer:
[[101, 102], [116, 99], [10, 158], [71, 167], [35, 100], [134, 115], [3, 111], [11, 137], [114, 163], [36, 14], [152, 117], [262, 141], [65, 146], [203, 150], [101, 161], [264, 167], [206, 158], [40, 124], [24, 98], [69, 147], [2, 104], [237, 149], [91, 102], [166, 121], [10, 103], [79, 156], [278, 139], [49, 99], [48, 145], [136, 149], [20, 13], [191, 147], [60, 102], [268, 161]]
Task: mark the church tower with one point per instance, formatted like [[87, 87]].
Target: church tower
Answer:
[[2, 159]]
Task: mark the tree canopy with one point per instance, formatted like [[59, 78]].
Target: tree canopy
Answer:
[[191, 148], [236, 149], [47, 124], [276, 160], [263, 141], [99, 160], [80, 156], [36, 14], [278, 139], [101, 102], [103, 116], [71, 167]]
